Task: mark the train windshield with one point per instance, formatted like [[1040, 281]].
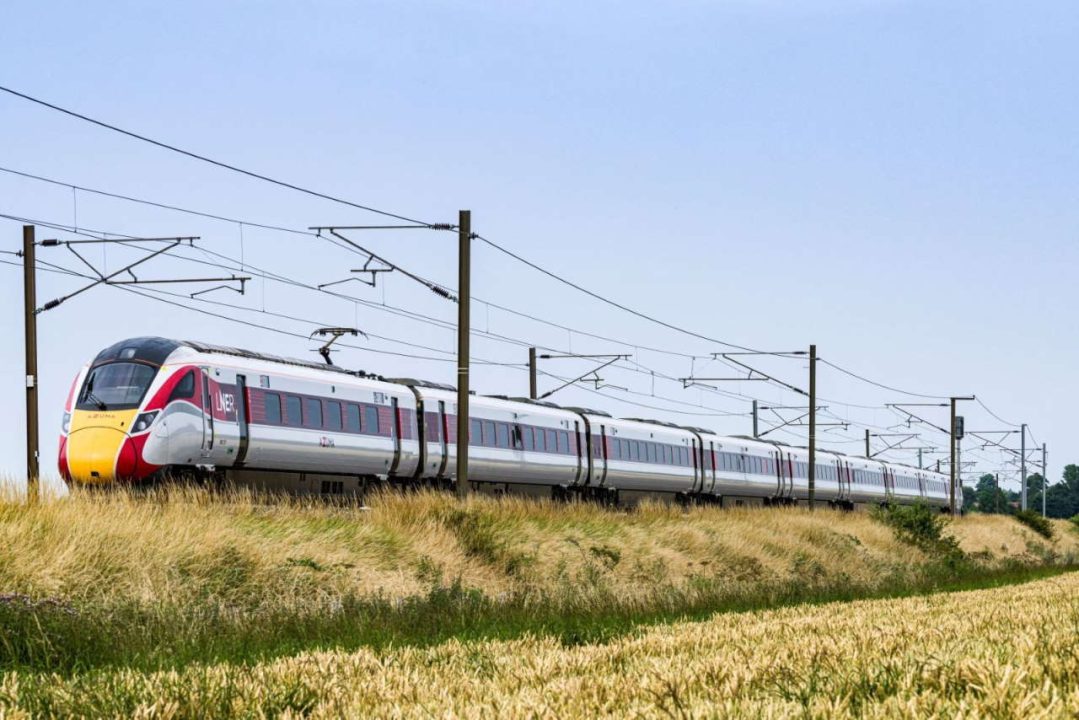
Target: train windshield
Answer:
[[116, 386]]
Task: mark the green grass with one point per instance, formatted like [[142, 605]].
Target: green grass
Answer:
[[56, 637]]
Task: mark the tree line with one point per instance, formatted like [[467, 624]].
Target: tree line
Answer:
[[1061, 498]]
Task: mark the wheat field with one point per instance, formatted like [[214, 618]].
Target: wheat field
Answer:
[[1001, 653]]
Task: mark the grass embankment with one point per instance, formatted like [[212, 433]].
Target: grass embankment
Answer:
[[162, 582], [1001, 653]]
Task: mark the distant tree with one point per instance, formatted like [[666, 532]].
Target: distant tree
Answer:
[[970, 499], [1062, 498], [988, 497]]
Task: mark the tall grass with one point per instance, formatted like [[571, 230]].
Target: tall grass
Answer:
[[1000, 653], [174, 576]]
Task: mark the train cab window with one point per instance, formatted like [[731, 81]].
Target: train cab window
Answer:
[[352, 418], [502, 435], [312, 413], [184, 389], [370, 420], [563, 442], [293, 415], [272, 404], [475, 432], [527, 438], [333, 415]]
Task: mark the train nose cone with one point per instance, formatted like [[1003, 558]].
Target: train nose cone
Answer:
[[99, 455]]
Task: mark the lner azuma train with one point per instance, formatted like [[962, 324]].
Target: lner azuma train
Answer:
[[150, 408]]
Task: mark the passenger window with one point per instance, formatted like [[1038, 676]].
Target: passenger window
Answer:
[[563, 442], [475, 433], [312, 413], [333, 415], [352, 418], [272, 405], [541, 446], [503, 435], [370, 420], [293, 415], [529, 443], [552, 443], [488, 433], [184, 389]]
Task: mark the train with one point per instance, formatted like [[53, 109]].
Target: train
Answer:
[[151, 408]]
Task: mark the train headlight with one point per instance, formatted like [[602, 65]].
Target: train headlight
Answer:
[[144, 421], [65, 424]]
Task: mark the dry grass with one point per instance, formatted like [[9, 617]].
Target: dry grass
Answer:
[[1009, 652], [191, 545]]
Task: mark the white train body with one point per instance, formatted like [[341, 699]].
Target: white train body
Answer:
[[149, 406]]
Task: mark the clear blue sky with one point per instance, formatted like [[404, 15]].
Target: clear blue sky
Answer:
[[894, 181]]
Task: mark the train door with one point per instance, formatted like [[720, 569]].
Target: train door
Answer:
[[781, 475], [712, 464], [207, 415], [577, 437], [443, 431], [243, 419], [601, 455], [698, 465], [395, 435]]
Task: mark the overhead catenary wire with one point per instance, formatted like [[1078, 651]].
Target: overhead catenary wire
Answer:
[[368, 208], [211, 161]]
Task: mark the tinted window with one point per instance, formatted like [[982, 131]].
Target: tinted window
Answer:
[[312, 413], [551, 442], [488, 433], [333, 415], [292, 411], [475, 432], [185, 388], [526, 435], [352, 418], [116, 386], [272, 401], [563, 442], [502, 435], [370, 420], [540, 444]]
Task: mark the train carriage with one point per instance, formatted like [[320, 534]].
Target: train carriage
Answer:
[[151, 407]]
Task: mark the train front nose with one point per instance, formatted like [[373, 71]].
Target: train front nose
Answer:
[[99, 449]]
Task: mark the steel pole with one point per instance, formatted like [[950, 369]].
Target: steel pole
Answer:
[[812, 425], [464, 301], [533, 391], [1023, 467], [30, 341], [1045, 481], [867, 442], [951, 483], [756, 426]]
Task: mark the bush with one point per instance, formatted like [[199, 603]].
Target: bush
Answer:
[[921, 526], [1075, 522], [1035, 522]]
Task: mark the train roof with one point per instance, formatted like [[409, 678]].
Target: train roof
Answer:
[[589, 411], [266, 357], [415, 382]]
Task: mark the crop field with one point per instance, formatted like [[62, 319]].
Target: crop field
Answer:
[[1004, 652], [183, 603]]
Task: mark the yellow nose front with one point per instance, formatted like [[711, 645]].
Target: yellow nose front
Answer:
[[92, 454], [97, 447]]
